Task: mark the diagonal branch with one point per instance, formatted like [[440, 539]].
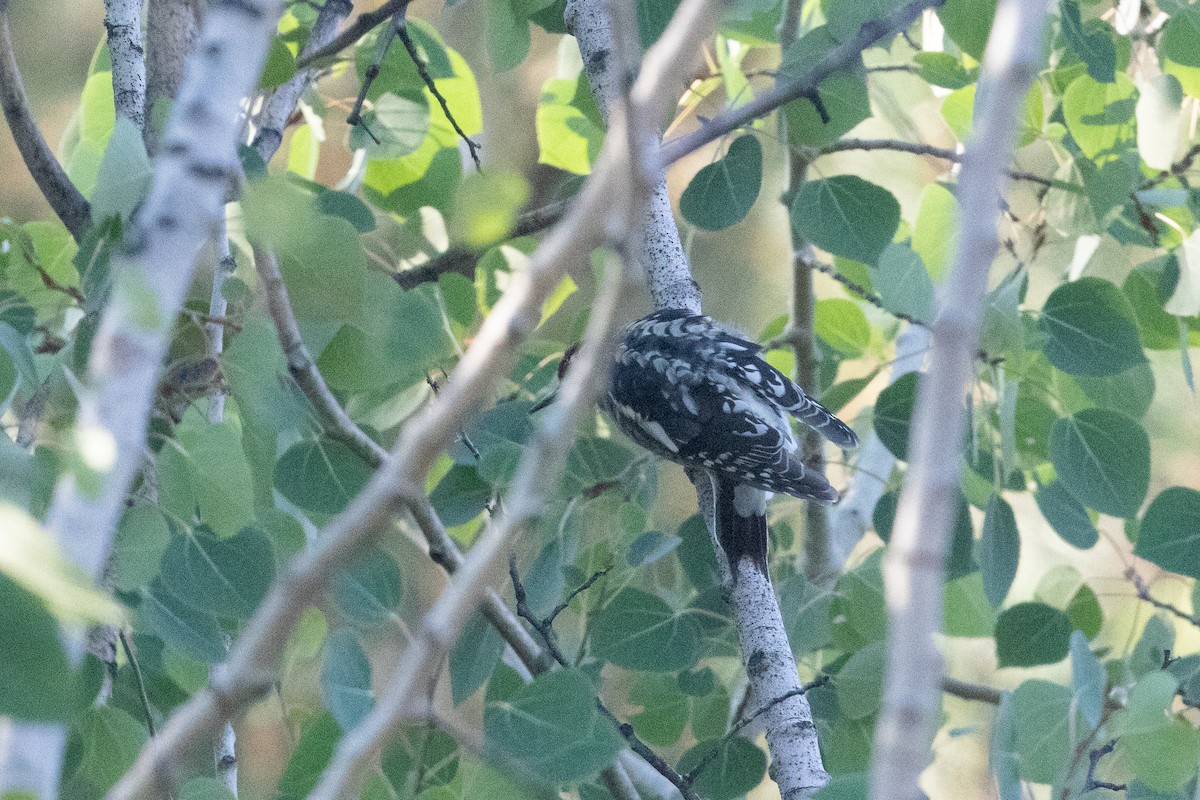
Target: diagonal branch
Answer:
[[362, 25], [68, 204], [914, 564], [280, 105], [835, 60]]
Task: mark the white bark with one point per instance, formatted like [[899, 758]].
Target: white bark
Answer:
[[280, 105], [851, 517], [770, 666], [151, 277], [123, 19], [914, 566]]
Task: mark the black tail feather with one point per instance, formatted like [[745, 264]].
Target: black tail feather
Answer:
[[741, 535]]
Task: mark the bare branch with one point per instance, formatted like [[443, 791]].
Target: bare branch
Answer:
[[1143, 593], [362, 25], [280, 105], [914, 565], [835, 60], [123, 20], [970, 691], [48, 174]]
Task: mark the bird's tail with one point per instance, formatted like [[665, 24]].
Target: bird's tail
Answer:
[[741, 519]]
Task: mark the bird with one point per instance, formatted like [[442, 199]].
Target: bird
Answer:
[[694, 392]]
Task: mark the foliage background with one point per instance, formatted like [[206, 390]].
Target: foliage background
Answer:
[[746, 274]]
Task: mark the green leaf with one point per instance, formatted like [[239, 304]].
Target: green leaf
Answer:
[[1042, 722], [423, 753], [893, 414], [280, 66], [860, 681], [369, 590], [1169, 535], [109, 740], [569, 138], [460, 495], [204, 789], [1029, 634], [806, 609], [903, 283], [1066, 515], [141, 539], [844, 94], [1091, 329], [553, 728], [486, 207], [321, 476], [474, 657], [124, 174], [501, 437], [192, 632], [722, 193], [346, 679], [320, 256], [1088, 680], [944, 70], [224, 577], [1100, 116], [968, 23], [36, 682], [1102, 458], [846, 216], [1130, 391], [309, 759], [650, 547], [965, 608], [206, 470], [999, 550], [843, 326], [737, 767], [665, 708], [1094, 46], [393, 128], [1160, 746], [858, 612], [1181, 37], [1085, 612], [637, 630]]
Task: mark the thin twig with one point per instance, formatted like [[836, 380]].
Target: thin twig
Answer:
[[578, 590], [1143, 593], [1094, 757], [137, 676], [835, 60], [401, 25], [970, 691], [543, 628], [362, 25]]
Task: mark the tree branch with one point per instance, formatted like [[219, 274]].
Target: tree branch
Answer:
[[68, 204], [914, 565], [282, 102], [171, 30], [835, 60], [362, 25], [151, 277], [123, 20]]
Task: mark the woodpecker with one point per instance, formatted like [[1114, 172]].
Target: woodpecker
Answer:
[[691, 391]]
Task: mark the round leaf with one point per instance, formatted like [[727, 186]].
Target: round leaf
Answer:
[[369, 590], [346, 679], [1066, 515], [1091, 329], [1100, 115], [36, 682], [321, 476], [224, 577], [553, 728], [637, 630], [846, 216], [1170, 532], [1029, 634], [737, 767], [1102, 458], [722, 193]]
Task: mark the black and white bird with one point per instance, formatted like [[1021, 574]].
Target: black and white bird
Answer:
[[688, 389]]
